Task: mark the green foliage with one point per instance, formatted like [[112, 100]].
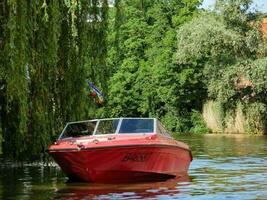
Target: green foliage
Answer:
[[236, 14], [1, 140], [43, 41], [229, 52], [123, 95], [256, 118], [177, 123], [164, 59], [14, 64], [144, 85], [47, 50], [256, 71], [199, 125]]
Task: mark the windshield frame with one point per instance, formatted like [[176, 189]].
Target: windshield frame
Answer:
[[61, 136], [76, 122]]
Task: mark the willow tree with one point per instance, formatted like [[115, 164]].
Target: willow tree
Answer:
[[83, 39], [3, 19], [14, 50], [48, 49], [43, 41], [92, 44], [77, 49]]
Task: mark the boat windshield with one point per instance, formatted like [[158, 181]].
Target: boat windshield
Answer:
[[108, 126], [78, 129], [137, 126]]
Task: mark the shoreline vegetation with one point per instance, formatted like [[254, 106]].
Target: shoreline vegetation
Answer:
[[198, 71], [236, 122]]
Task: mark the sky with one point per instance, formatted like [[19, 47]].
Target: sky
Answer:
[[260, 5]]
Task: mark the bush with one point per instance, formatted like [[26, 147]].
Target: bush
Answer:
[[175, 123], [256, 118], [199, 125]]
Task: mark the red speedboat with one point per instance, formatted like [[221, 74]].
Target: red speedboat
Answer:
[[120, 150]]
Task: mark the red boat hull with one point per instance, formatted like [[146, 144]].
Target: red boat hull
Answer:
[[129, 163]]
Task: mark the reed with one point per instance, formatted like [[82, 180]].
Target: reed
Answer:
[[248, 118], [235, 120], [213, 116]]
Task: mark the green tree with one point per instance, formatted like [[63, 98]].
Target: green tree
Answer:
[[47, 50], [224, 45], [123, 95], [13, 63], [165, 95], [145, 82], [43, 59]]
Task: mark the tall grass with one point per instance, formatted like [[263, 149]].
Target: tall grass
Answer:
[[250, 118], [235, 120], [213, 116]]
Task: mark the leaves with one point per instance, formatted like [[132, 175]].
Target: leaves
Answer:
[[45, 69], [227, 53], [146, 82]]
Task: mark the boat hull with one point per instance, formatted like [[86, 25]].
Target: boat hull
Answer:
[[123, 163]]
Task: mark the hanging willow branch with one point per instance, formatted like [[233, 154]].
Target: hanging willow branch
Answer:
[[44, 7], [15, 52], [72, 5], [48, 49]]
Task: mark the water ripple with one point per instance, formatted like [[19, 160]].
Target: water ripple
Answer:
[[223, 168]]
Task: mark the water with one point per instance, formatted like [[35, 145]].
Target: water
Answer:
[[224, 167]]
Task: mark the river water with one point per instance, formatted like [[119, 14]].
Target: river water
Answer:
[[224, 167]]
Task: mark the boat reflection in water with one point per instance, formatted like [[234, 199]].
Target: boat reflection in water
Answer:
[[120, 150], [123, 191]]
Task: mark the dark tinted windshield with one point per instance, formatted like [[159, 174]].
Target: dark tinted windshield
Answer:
[[107, 126], [79, 129], [137, 126]]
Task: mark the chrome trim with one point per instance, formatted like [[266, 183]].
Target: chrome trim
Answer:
[[119, 126], [61, 134], [155, 125], [96, 126]]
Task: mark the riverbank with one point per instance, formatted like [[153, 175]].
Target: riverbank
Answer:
[[242, 118]]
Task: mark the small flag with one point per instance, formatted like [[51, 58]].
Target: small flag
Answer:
[[95, 93]]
